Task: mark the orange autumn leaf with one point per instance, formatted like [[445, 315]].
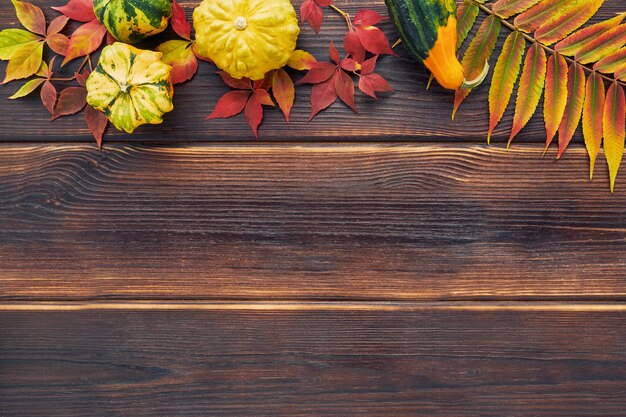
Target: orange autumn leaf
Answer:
[[284, 91], [593, 129], [573, 110], [301, 60], [603, 45], [574, 43], [613, 120], [555, 96], [508, 8], [86, 39], [504, 77], [567, 21], [30, 16], [478, 52], [179, 54], [466, 15], [613, 63], [530, 88], [541, 13]]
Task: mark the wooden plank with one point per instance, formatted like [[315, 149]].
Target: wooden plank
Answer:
[[315, 222], [412, 362], [410, 113]]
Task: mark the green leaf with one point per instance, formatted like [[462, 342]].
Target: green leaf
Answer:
[[504, 77], [13, 39]]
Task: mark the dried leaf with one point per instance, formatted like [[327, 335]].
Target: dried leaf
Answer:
[[573, 43], [28, 88], [566, 22], [603, 45], [179, 21], [12, 40], [504, 77], [79, 10], [466, 15], [25, 61], [478, 52], [574, 108], [613, 63], [284, 91], [555, 97], [58, 43], [48, 96], [508, 8], [30, 16], [86, 39], [301, 60], [71, 101], [230, 104], [179, 54], [613, 120], [530, 88], [593, 110], [96, 123], [345, 89], [322, 96], [541, 13]]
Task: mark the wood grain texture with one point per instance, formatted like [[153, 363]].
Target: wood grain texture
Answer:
[[410, 114], [313, 363], [322, 222]]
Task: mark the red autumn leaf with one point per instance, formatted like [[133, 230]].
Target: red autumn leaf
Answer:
[[284, 91], [57, 25], [320, 72], [311, 11], [369, 66], [96, 123], [79, 10], [334, 53], [81, 78], [110, 39], [179, 21], [30, 16], [374, 40], [58, 43], [71, 101], [322, 96], [370, 84], [86, 39], [345, 88], [353, 46], [240, 84], [263, 97], [367, 17], [349, 65], [230, 104], [254, 114], [48, 96]]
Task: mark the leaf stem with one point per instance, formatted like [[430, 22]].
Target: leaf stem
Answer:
[[530, 39], [345, 15]]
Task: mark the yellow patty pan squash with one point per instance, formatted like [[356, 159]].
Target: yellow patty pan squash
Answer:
[[130, 21], [131, 87], [246, 38]]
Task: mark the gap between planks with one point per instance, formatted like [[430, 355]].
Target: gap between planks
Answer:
[[315, 306]]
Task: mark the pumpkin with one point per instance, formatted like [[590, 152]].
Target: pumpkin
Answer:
[[130, 21], [130, 86], [246, 38]]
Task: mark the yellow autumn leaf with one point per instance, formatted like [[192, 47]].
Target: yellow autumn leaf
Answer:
[[24, 62], [301, 60], [179, 54], [13, 39], [593, 129], [613, 120]]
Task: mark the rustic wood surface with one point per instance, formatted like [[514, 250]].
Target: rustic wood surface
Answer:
[[344, 274]]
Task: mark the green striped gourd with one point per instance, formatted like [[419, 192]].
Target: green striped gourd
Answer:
[[130, 21]]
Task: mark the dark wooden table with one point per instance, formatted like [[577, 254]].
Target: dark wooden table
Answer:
[[387, 263]]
